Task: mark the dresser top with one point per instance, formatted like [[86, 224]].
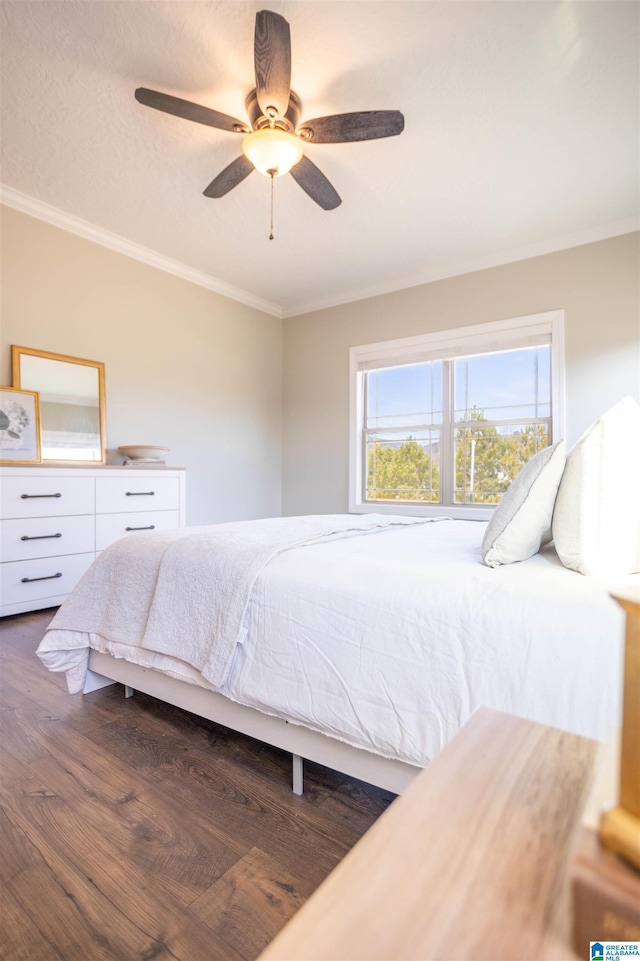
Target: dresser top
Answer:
[[86, 469]]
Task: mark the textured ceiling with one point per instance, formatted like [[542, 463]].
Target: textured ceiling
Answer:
[[521, 135]]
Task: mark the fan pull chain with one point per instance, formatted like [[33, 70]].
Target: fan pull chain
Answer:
[[272, 173]]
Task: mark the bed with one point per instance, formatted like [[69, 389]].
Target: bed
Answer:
[[360, 642]]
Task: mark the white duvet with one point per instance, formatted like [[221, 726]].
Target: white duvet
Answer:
[[390, 641]]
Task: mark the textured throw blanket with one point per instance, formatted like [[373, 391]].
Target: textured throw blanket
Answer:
[[185, 592]]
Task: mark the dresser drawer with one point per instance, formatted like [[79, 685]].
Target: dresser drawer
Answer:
[[24, 538], [45, 577], [120, 494], [66, 512], [111, 527], [42, 496]]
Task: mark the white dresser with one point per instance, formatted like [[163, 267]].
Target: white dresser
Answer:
[[54, 520]]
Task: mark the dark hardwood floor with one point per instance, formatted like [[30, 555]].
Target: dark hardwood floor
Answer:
[[132, 830]]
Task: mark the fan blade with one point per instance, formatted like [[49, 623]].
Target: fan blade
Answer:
[[272, 56], [349, 127], [189, 111], [230, 177], [314, 183]]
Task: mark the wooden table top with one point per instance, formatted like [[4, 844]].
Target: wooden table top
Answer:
[[470, 863]]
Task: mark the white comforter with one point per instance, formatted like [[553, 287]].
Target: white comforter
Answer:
[[185, 592], [390, 642]]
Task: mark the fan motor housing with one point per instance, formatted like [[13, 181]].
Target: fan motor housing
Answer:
[[258, 120]]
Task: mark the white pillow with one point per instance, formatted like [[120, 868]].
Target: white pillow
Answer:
[[596, 523], [522, 519]]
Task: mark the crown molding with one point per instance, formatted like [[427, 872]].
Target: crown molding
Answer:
[[577, 239], [59, 218]]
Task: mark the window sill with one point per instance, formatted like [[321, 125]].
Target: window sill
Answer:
[[465, 512]]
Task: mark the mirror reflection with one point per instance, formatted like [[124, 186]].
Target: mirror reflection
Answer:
[[71, 403]]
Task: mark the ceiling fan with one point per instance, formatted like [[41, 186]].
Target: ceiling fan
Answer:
[[273, 143]]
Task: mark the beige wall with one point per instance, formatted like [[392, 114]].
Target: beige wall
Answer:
[[596, 285], [185, 367], [204, 375]]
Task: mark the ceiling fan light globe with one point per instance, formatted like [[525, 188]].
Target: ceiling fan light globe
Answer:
[[273, 152]]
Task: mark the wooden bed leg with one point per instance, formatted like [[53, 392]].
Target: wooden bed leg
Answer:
[[128, 691], [298, 774]]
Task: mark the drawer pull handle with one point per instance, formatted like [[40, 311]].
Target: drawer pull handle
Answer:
[[140, 493], [49, 577], [151, 527], [38, 537], [25, 497]]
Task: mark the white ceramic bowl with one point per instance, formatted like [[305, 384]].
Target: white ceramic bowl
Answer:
[[144, 452]]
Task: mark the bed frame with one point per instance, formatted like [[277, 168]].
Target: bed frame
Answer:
[[302, 742]]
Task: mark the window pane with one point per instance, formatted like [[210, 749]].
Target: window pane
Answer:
[[405, 396], [505, 385], [403, 467], [544, 382], [488, 458]]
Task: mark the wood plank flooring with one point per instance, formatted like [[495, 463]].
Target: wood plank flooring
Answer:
[[130, 829]]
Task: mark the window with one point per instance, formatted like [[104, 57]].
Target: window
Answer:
[[442, 423]]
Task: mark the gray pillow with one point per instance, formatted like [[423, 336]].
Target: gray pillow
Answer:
[[522, 520]]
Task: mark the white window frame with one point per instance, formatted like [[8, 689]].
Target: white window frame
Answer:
[[497, 335]]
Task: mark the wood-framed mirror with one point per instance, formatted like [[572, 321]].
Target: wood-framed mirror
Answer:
[[72, 403]]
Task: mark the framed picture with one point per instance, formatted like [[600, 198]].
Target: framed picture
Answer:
[[19, 426]]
